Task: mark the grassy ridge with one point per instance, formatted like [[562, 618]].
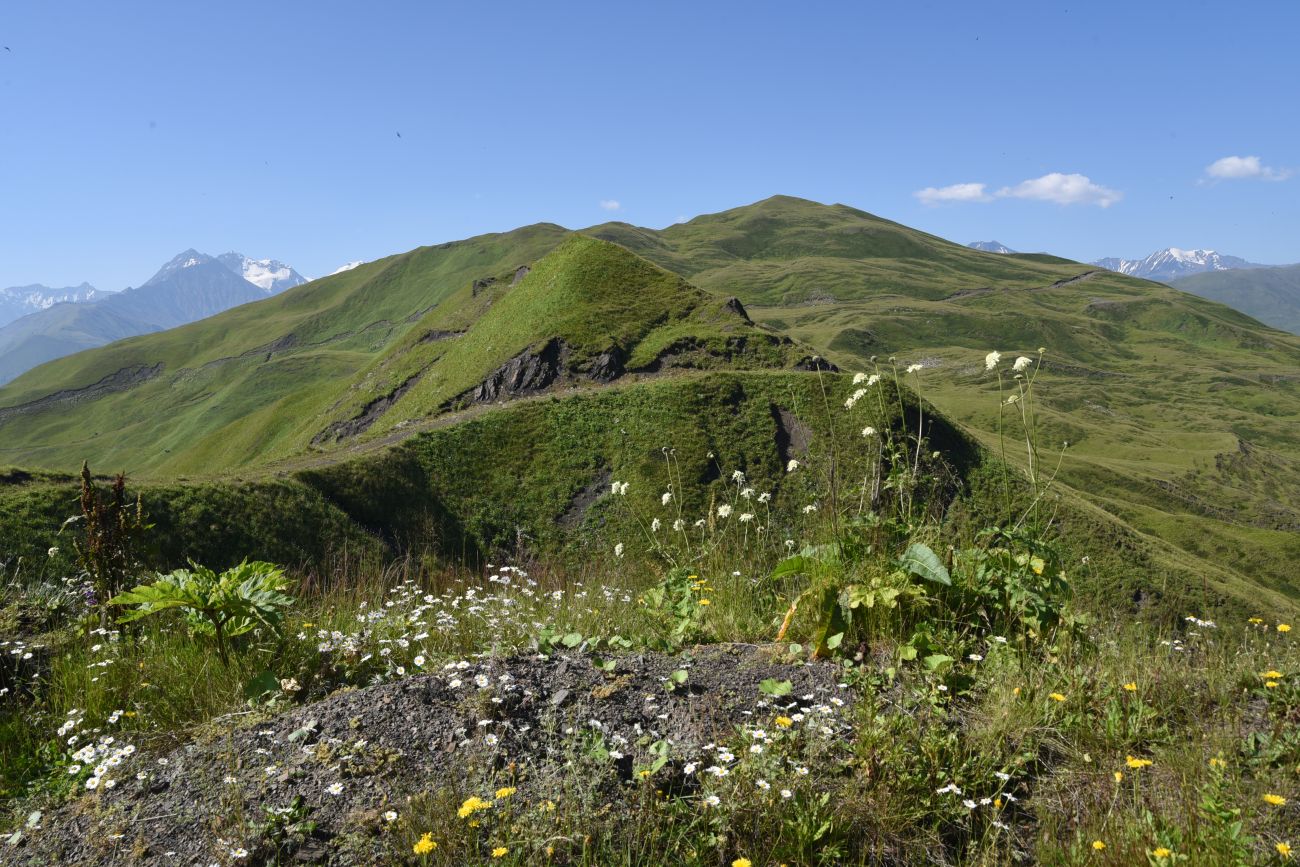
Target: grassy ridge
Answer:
[[1179, 412]]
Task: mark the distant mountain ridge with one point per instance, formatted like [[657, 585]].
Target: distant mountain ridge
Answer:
[[189, 287], [1172, 263], [1271, 295], [17, 301]]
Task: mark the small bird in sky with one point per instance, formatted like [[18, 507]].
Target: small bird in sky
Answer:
[[399, 135]]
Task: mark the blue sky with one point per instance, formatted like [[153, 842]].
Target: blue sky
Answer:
[[129, 132]]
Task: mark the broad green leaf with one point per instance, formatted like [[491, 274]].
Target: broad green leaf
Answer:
[[936, 661], [920, 560], [263, 683], [795, 565], [776, 688]]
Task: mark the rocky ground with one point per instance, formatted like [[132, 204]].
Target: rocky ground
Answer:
[[311, 785]]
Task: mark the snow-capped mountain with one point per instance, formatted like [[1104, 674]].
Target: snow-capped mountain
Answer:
[[1172, 263], [18, 301], [191, 286], [990, 247], [348, 267], [270, 275]]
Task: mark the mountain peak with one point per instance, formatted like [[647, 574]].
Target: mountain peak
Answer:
[[990, 247], [185, 259]]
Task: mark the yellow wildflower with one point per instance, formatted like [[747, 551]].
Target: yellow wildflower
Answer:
[[1119, 776], [1275, 800], [1161, 852], [1016, 691], [1136, 763], [1056, 696], [506, 792], [472, 805], [742, 862], [1097, 845], [425, 845], [1284, 849], [784, 722], [500, 852], [1284, 627], [1130, 687], [1256, 620], [705, 602], [1218, 763], [1271, 674], [1271, 684]]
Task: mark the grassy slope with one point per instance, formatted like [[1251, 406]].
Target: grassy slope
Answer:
[[1181, 413], [1178, 409], [1271, 295], [226, 398]]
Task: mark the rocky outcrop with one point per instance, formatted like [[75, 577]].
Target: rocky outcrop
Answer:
[[370, 413], [120, 380], [527, 373]]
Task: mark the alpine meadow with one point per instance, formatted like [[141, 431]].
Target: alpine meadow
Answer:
[[786, 535]]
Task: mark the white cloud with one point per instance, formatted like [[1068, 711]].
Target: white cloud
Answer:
[[952, 193], [1073, 189], [1238, 168], [610, 204]]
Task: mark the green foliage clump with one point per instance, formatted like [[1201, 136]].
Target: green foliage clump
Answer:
[[223, 606]]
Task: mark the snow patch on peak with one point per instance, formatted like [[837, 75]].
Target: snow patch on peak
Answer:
[[269, 275], [348, 267], [1174, 262]]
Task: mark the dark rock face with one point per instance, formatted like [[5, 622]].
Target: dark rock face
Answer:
[[526, 373], [816, 362], [733, 305], [608, 366], [520, 273]]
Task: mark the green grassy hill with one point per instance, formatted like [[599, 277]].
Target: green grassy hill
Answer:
[[1180, 413], [324, 363], [1271, 295]]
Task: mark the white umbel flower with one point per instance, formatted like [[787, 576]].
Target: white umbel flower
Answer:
[[991, 360], [1022, 363]]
